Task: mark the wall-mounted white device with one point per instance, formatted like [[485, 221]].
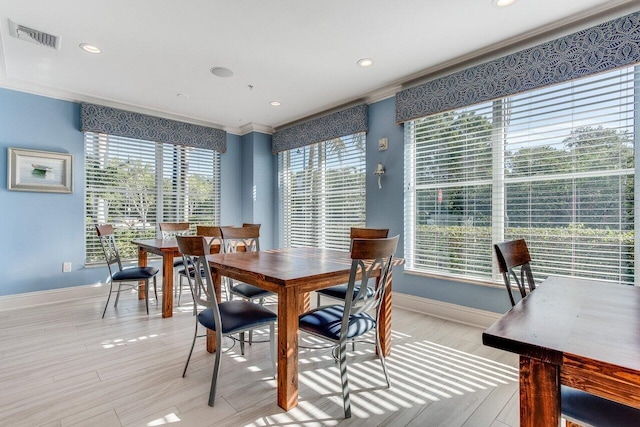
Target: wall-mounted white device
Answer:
[[379, 171]]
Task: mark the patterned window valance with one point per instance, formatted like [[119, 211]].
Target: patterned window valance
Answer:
[[341, 123], [606, 46], [97, 118]]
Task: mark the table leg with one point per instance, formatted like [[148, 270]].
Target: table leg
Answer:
[[304, 302], [288, 309], [539, 393], [142, 262], [211, 335], [384, 322], [167, 284]]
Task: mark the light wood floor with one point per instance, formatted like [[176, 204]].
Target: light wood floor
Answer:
[[62, 365]]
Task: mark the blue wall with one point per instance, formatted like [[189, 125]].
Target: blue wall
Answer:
[[258, 196], [40, 231], [230, 181]]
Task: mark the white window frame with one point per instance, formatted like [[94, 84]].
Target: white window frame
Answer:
[[194, 164], [339, 200], [500, 180]]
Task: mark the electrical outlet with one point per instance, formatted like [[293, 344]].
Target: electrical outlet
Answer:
[[383, 144], [66, 267]]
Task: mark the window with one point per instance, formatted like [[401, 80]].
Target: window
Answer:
[[134, 184], [554, 166], [322, 192]]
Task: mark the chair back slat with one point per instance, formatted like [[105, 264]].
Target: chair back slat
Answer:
[[194, 250], [514, 262], [213, 235], [241, 239], [368, 233], [172, 229], [368, 257], [106, 234]]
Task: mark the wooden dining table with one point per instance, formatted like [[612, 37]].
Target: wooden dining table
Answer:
[[292, 273], [580, 333], [168, 250]]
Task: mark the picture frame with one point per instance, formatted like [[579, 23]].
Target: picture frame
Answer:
[[41, 171]]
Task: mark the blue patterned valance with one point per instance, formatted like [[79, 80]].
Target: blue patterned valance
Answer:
[[100, 119], [341, 123], [606, 46]]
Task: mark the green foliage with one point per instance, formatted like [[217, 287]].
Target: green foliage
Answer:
[[123, 192], [575, 249]]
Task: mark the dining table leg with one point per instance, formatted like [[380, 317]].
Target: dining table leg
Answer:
[[539, 393], [167, 284], [142, 262], [288, 309]]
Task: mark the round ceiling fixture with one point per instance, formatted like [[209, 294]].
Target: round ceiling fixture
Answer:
[[365, 62], [274, 103], [221, 72], [90, 48], [502, 3]]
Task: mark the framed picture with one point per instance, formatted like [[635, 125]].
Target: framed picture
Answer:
[[44, 171]]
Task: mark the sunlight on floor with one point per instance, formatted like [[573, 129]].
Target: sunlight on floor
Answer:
[[167, 419], [117, 342], [422, 372]]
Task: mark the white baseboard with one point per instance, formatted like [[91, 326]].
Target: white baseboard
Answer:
[[32, 299], [444, 310]]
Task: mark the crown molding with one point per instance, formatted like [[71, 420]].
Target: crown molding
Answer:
[[51, 92], [255, 127]]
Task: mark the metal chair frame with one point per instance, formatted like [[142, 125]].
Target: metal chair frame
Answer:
[[106, 235], [195, 249], [242, 239], [368, 257], [512, 255], [355, 233]]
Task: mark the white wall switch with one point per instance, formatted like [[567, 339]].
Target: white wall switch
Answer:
[[383, 144], [66, 267]]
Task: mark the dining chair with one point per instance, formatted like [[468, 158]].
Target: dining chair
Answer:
[[340, 291], [225, 318], [578, 407], [132, 274], [513, 258], [243, 239], [167, 231], [213, 237], [342, 322]]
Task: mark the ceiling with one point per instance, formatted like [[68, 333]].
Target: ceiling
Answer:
[[301, 53]]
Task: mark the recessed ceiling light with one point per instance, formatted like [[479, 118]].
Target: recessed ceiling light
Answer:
[[274, 103], [502, 3], [90, 48], [221, 72], [365, 62]]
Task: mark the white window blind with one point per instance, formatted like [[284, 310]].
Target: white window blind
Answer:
[[134, 184], [322, 192], [554, 166]]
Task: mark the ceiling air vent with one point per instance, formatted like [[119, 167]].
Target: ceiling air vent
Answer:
[[34, 36]]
